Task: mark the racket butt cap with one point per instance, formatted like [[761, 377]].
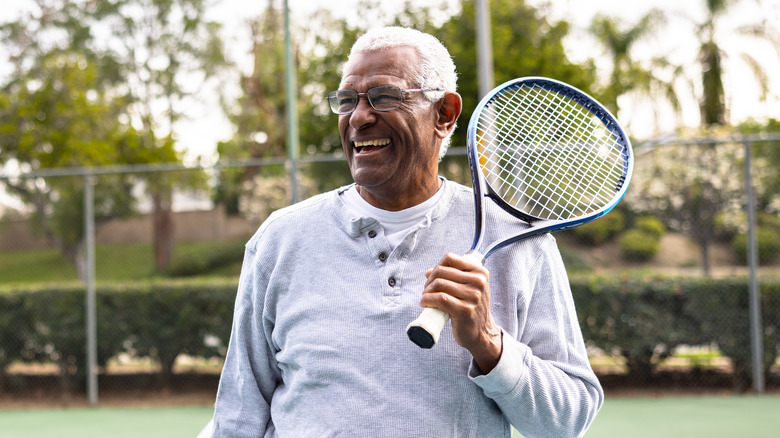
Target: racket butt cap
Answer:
[[420, 337]]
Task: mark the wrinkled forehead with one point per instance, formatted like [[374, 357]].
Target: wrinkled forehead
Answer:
[[396, 66]]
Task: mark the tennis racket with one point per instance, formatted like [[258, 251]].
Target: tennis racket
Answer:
[[548, 154]]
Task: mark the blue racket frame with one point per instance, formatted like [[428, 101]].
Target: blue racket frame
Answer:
[[540, 226]]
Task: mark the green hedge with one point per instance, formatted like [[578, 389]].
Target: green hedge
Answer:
[[644, 319], [160, 320], [640, 319]]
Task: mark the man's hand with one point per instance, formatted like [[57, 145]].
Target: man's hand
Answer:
[[460, 286]]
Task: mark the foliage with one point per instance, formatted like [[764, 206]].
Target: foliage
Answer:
[[639, 245], [644, 319], [161, 321], [768, 246], [723, 318], [766, 166], [627, 74], [642, 242], [58, 114], [601, 230], [639, 319], [688, 187], [712, 56], [167, 49], [202, 259], [80, 95], [650, 225], [529, 44], [264, 194]]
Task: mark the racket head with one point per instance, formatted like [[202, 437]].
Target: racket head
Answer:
[[547, 151]]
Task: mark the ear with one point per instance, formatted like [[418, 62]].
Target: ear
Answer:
[[448, 112]]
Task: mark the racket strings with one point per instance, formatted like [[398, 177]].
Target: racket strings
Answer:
[[547, 155]]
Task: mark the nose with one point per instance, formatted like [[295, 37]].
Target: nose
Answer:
[[363, 115]]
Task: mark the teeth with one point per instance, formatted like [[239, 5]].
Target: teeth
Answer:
[[376, 142]]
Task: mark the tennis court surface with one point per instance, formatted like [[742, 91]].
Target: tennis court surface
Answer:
[[636, 417]]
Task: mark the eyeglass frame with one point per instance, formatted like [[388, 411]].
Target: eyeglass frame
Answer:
[[333, 95]]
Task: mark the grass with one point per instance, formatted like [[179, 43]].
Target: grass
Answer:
[[112, 263], [637, 417], [36, 266]]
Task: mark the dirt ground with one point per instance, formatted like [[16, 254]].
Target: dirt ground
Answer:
[[200, 389], [677, 255], [39, 391]]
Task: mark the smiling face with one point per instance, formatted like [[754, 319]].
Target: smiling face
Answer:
[[393, 155]]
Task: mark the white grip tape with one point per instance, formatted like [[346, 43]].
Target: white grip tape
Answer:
[[433, 320]]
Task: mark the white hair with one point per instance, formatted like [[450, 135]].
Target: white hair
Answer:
[[435, 68]]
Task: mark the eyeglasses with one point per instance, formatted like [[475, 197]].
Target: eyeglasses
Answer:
[[382, 98]]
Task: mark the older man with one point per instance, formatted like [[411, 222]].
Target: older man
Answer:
[[328, 286]]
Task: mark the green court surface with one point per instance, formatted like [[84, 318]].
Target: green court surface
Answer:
[[152, 422], [688, 416], [711, 417], [636, 417]]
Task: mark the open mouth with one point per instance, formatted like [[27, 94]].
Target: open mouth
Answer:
[[371, 145]]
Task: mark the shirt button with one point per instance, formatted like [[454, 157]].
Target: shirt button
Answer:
[[391, 281], [372, 234], [382, 256]]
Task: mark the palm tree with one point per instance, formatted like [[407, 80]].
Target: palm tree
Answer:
[[714, 110], [628, 75]]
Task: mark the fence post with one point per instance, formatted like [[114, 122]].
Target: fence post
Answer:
[[292, 107], [757, 344], [90, 305]]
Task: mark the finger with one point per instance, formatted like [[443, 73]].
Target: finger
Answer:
[[464, 263], [445, 302], [450, 274], [440, 291]]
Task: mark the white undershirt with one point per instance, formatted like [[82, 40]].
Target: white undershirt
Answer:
[[396, 224]]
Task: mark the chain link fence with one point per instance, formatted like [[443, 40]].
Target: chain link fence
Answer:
[[119, 282]]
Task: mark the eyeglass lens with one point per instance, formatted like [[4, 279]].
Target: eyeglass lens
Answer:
[[384, 98]]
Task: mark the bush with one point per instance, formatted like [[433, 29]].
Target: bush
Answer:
[[639, 245], [650, 225], [601, 230], [643, 319], [159, 320], [201, 259], [640, 319], [768, 246]]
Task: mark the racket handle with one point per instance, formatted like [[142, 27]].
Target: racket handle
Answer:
[[425, 330]]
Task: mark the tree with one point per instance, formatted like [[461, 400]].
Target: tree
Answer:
[[627, 75], [57, 109], [61, 117], [713, 106], [165, 49], [259, 112], [145, 59], [528, 44], [688, 186], [766, 167]]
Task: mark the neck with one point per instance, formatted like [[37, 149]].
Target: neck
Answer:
[[399, 201]]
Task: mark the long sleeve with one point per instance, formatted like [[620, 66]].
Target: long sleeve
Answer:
[[318, 346], [543, 382], [250, 373]]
